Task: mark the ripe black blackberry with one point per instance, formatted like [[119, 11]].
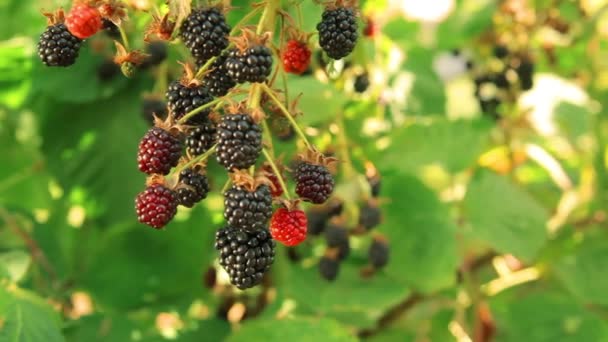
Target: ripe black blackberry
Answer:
[[151, 107], [329, 268], [361, 83], [239, 141], [369, 216], [252, 64], [525, 72], [201, 138], [157, 53], [338, 32], [155, 206], [58, 47], [314, 183], [158, 151], [205, 33], [110, 28], [217, 80], [246, 208], [378, 253], [192, 187], [185, 98], [500, 51], [337, 238], [317, 221], [500, 80], [246, 256]]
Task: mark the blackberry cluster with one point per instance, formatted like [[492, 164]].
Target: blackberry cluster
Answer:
[[239, 141], [217, 80], [192, 188], [246, 256], [158, 152], [338, 32], [156, 206], [205, 33], [253, 64], [151, 107], [201, 138], [58, 47], [314, 183], [248, 210], [183, 99]]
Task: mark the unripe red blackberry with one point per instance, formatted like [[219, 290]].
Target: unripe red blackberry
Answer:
[[288, 226], [201, 138], [253, 64], [314, 183], [155, 206], [338, 32], [217, 80], [246, 256], [205, 33], [329, 268], [58, 47], [239, 141], [185, 98], [296, 57], [158, 152], [83, 20], [248, 208], [378, 253], [192, 187]]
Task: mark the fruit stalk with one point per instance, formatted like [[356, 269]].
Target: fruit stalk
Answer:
[[276, 171]]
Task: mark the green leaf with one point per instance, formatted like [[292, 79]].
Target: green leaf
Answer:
[[15, 67], [505, 216], [427, 95], [470, 19], [455, 145], [421, 234], [545, 317], [293, 330], [320, 102], [15, 263], [572, 119], [25, 317], [578, 267]]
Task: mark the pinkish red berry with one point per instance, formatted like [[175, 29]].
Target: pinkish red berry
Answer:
[[83, 21], [288, 226], [296, 57]]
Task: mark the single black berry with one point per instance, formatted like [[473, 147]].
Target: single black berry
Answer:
[[110, 28], [314, 183], [329, 268], [107, 70], [375, 185], [158, 151], [253, 64], [317, 221], [248, 210], [217, 80], [369, 216], [192, 187], [157, 53], [201, 138], [58, 47], [337, 237], [338, 32], [205, 33], [525, 72], [239, 141], [151, 107], [501, 81], [501, 51], [183, 99], [489, 107], [246, 256], [361, 83], [378, 253]]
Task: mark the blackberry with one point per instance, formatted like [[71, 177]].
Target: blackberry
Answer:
[[110, 28], [239, 141], [317, 221], [158, 151], [107, 70], [500, 80], [153, 107], [525, 72], [157, 53], [378, 253], [246, 256], [205, 33], [217, 80], [369, 216], [314, 183], [58, 47], [334, 208], [192, 188], [253, 64], [500, 51], [155, 206], [337, 237], [374, 184], [338, 32], [361, 83], [248, 210], [489, 107], [329, 268], [201, 138], [183, 99]]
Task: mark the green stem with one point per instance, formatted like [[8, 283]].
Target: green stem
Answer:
[[349, 171], [268, 135], [199, 109], [123, 36], [290, 118], [204, 68], [267, 18], [197, 159], [245, 19], [226, 185], [276, 171]]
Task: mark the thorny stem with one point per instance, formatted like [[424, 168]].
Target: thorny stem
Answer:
[[290, 118], [276, 171], [197, 110]]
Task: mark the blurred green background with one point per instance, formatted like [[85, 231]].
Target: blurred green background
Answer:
[[497, 228]]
